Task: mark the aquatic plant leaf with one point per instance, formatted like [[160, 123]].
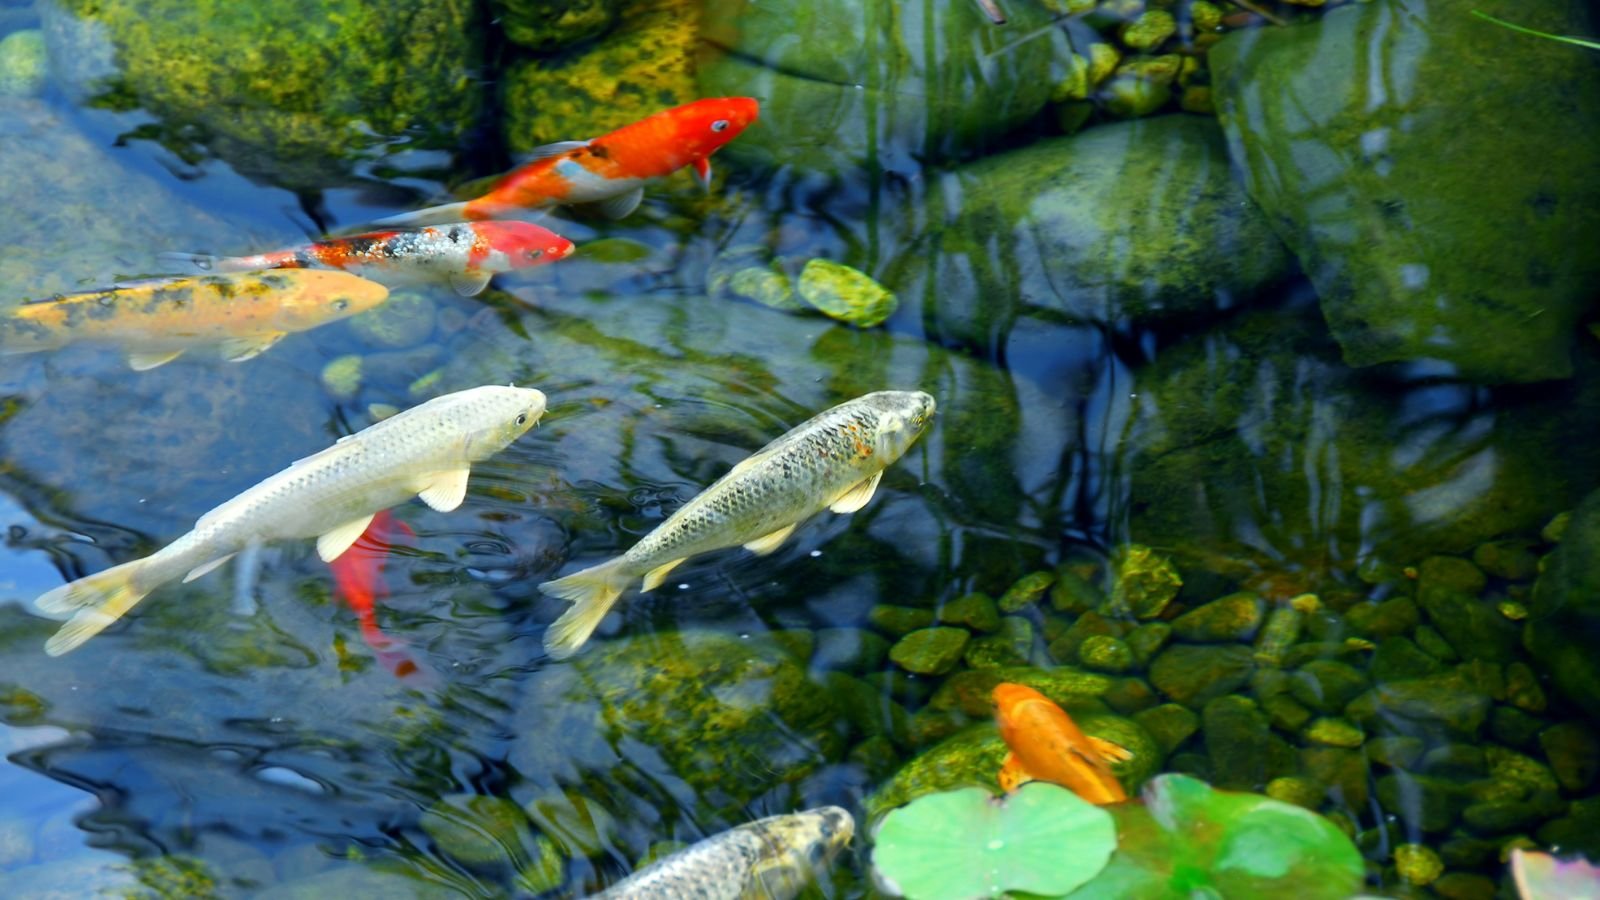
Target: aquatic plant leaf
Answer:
[[1190, 840], [1540, 876], [955, 845], [1565, 39]]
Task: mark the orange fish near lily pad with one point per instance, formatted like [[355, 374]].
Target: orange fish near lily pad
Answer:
[[1046, 745]]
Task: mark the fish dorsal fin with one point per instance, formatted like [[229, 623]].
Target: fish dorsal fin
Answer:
[[858, 495], [469, 284], [555, 149], [702, 171], [200, 570], [444, 490], [767, 543], [333, 544], [1109, 751], [145, 360], [654, 577], [1012, 774], [240, 349], [619, 206]]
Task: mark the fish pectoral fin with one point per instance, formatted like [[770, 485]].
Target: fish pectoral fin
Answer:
[[145, 360], [767, 543], [332, 545], [776, 878], [702, 171], [858, 495], [240, 349], [200, 570], [469, 284], [621, 205], [1012, 774], [555, 149], [445, 490], [1110, 751], [654, 577]]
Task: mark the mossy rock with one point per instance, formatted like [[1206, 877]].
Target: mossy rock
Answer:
[[730, 718], [24, 63], [295, 92], [1564, 620], [971, 691], [547, 25], [641, 67], [1422, 244]]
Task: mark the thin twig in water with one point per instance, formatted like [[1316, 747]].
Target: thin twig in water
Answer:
[[1251, 7], [1576, 41]]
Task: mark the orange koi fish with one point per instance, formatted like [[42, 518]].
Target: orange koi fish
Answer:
[[358, 580], [466, 254], [610, 170], [1047, 746]]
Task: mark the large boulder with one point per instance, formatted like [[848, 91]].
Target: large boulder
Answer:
[[716, 720], [848, 85], [547, 25], [293, 92], [1127, 222], [1564, 616], [1433, 172]]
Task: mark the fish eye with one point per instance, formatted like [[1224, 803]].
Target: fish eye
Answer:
[[341, 304], [535, 253], [719, 125], [522, 419]]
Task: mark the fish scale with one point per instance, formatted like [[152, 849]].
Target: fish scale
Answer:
[[833, 459], [332, 494]]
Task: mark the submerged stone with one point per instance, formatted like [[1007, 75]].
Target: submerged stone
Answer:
[[1235, 617], [1421, 242], [24, 63], [930, 651], [1565, 610], [1143, 582], [477, 829], [1193, 675], [552, 24], [976, 611], [845, 294], [970, 692]]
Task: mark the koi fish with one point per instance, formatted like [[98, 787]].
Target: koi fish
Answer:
[[427, 450], [466, 254], [156, 321], [358, 581], [832, 461], [610, 170], [773, 858], [1046, 745]]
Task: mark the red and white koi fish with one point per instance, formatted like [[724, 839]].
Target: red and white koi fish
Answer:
[[466, 254], [610, 170]]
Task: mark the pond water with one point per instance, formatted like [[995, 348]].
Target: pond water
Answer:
[[1219, 313]]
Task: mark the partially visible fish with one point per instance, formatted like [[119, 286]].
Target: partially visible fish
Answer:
[[773, 858], [610, 170], [156, 321], [465, 254], [832, 461], [332, 495], [358, 581], [1046, 745]]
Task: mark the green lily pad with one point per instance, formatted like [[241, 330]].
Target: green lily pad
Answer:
[[1190, 840], [956, 845]]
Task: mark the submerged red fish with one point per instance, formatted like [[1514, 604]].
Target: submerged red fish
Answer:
[[358, 580], [610, 170], [466, 254], [1046, 745]]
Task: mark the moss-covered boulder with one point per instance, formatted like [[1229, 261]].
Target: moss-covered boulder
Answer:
[[24, 65], [1421, 241], [1564, 615], [727, 719], [642, 66], [552, 24], [295, 92], [1132, 221], [849, 86]]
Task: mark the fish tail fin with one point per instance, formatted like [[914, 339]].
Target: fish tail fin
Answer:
[[432, 215], [204, 262], [95, 602], [592, 593]]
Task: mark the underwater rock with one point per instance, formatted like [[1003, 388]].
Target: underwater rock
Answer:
[[1327, 685], [1010, 646], [930, 651], [1446, 699], [358, 880], [1235, 617], [1244, 752], [845, 294], [1143, 582], [476, 829], [1194, 674], [1132, 221], [294, 92], [971, 692], [899, 621], [1447, 590], [1574, 754], [24, 63], [547, 25], [1170, 724], [1564, 613], [643, 66], [695, 708], [1421, 242], [1026, 591], [848, 86], [1104, 653], [976, 611]]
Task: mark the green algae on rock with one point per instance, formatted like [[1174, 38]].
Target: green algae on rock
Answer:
[[704, 703], [1421, 242], [1566, 608], [930, 651], [24, 63], [295, 92], [845, 294], [547, 25]]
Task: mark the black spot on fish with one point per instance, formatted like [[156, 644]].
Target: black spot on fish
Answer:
[[275, 282], [224, 289], [599, 151]]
